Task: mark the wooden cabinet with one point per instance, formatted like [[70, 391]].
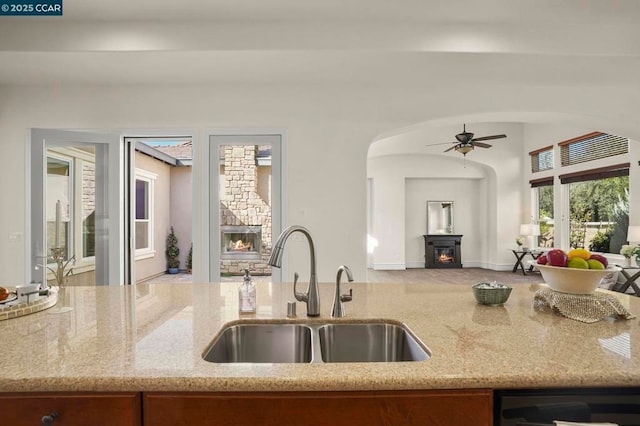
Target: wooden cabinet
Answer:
[[74, 408], [435, 408]]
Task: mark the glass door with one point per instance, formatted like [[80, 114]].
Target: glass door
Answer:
[[245, 209], [75, 220]]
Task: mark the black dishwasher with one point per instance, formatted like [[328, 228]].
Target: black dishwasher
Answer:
[[540, 407]]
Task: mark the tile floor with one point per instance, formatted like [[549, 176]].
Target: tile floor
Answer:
[[452, 276]]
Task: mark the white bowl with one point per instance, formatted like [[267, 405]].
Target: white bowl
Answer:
[[573, 280]]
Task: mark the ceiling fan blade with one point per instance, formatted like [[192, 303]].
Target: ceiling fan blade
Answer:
[[442, 143], [481, 145], [488, 138], [449, 149]]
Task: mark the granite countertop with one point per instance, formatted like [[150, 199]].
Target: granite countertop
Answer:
[[151, 338]]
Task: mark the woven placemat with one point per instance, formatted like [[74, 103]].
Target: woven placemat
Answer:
[[587, 308]]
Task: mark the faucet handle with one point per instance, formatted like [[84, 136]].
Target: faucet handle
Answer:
[[347, 297], [300, 296]]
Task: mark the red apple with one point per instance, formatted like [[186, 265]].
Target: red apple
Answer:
[[557, 258], [542, 260], [600, 258]]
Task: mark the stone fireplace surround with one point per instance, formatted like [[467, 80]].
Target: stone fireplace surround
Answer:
[[242, 206]]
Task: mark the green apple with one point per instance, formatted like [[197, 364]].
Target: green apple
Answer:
[[578, 263], [595, 264]]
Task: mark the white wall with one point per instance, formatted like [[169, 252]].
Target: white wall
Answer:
[[468, 210], [402, 184], [331, 205], [329, 127], [499, 199], [181, 194], [156, 264]]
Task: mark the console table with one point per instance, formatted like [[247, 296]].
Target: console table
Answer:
[[520, 254], [630, 280]]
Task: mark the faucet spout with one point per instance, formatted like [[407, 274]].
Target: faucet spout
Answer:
[[337, 310], [312, 296]]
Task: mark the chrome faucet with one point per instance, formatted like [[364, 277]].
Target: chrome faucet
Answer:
[[337, 311], [312, 296]]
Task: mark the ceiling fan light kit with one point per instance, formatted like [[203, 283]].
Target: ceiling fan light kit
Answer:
[[465, 142], [464, 149]]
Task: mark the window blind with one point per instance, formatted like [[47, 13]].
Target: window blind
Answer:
[[599, 173], [542, 159], [592, 146], [545, 181]]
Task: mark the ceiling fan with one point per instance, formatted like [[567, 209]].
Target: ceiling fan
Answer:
[[465, 142]]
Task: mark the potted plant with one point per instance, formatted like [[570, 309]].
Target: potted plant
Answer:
[[172, 253], [627, 251], [636, 252], [190, 259]]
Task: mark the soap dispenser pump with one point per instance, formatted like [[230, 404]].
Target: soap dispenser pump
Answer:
[[247, 294]]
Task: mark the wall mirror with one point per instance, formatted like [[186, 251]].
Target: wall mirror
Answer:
[[439, 217]]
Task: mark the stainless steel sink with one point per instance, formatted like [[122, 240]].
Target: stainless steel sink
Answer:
[[376, 342], [261, 343], [314, 342]]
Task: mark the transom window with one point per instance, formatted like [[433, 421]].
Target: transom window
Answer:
[[592, 146], [542, 159]]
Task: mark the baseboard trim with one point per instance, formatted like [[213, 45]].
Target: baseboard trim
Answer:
[[389, 266], [420, 265]]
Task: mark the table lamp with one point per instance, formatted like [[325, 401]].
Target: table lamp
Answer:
[[633, 235], [529, 230], [525, 231]]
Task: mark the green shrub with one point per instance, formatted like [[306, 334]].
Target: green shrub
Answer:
[[172, 251]]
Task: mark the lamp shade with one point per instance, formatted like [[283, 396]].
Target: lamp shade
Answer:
[[525, 229], [633, 234], [535, 230]]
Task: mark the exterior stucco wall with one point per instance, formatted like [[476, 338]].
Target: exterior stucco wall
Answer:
[[160, 217]]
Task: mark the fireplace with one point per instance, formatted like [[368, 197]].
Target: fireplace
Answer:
[[240, 242], [442, 251]]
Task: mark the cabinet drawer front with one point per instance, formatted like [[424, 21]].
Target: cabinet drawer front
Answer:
[[464, 408], [72, 409]]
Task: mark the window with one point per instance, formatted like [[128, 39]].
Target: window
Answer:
[[599, 208], [543, 209], [592, 146], [59, 202], [144, 212], [88, 210], [542, 159], [71, 202]]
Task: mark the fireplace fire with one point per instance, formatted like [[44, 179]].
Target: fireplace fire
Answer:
[[445, 258], [240, 242]]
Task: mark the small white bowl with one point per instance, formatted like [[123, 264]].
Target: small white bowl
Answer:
[[573, 280]]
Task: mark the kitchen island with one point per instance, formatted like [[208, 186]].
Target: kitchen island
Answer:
[[150, 338]]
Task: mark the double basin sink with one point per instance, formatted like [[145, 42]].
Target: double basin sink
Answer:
[[284, 342]]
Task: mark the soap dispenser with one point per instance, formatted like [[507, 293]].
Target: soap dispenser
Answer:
[[247, 295]]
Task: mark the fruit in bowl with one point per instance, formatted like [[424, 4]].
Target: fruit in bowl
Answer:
[[576, 271]]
